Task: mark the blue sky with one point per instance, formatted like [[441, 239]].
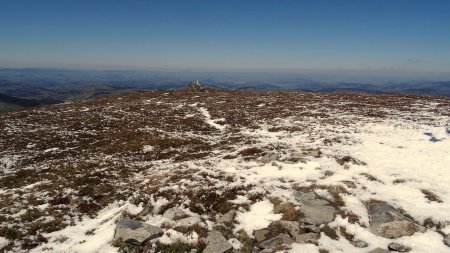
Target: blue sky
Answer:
[[407, 36]]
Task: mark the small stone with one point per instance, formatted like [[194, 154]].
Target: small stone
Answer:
[[281, 239], [296, 157], [189, 221], [359, 244], [135, 232], [312, 229], [307, 238], [398, 247], [293, 227], [269, 157], [174, 213], [316, 153], [378, 250], [267, 251], [349, 184], [227, 218], [316, 210], [260, 235], [216, 243], [447, 240]]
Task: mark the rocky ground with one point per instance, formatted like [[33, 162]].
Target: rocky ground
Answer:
[[227, 171]]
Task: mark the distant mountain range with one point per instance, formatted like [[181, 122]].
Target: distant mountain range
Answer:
[[23, 88]]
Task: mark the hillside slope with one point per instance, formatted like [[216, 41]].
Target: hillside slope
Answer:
[[68, 172]]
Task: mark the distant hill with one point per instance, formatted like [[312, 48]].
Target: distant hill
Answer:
[[23, 88], [27, 102], [10, 103]]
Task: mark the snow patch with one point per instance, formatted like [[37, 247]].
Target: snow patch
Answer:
[[260, 216], [210, 121]]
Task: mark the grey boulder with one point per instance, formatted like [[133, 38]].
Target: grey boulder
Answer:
[[388, 222], [316, 210], [136, 232], [216, 243]]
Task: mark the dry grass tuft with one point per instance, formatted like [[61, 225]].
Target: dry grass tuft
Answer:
[[431, 196], [288, 210]]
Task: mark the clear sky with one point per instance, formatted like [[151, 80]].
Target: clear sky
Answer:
[[397, 35]]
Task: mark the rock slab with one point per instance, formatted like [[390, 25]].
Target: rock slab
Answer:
[[216, 243], [315, 209], [292, 227], [261, 234], [388, 222], [136, 232]]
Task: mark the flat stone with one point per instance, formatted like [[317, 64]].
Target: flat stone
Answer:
[[307, 238], [378, 250], [281, 239], [136, 232], [173, 213], [227, 218], [315, 209], [359, 244], [388, 222], [312, 229], [260, 235], [349, 184], [189, 221], [216, 243], [293, 227], [447, 240]]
